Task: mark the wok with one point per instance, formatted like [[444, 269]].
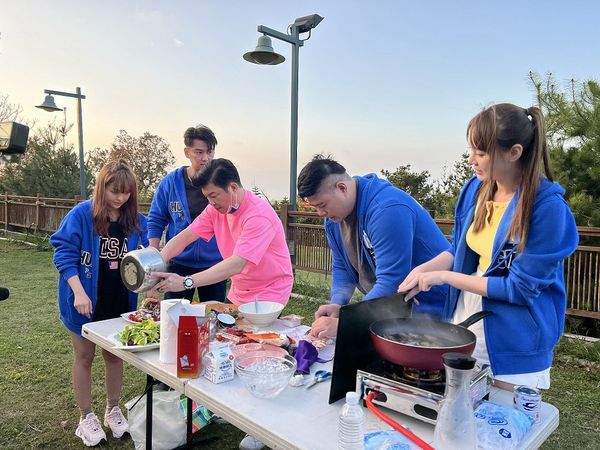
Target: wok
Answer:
[[419, 343]]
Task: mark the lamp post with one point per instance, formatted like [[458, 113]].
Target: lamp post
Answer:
[[265, 55], [50, 106]]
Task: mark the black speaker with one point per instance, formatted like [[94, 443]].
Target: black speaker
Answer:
[[13, 137]]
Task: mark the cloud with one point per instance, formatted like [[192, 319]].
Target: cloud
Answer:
[[178, 43], [145, 16]]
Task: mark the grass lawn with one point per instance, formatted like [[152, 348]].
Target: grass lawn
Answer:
[[38, 410]]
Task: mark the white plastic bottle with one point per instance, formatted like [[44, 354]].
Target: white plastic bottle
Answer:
[[351, 424]]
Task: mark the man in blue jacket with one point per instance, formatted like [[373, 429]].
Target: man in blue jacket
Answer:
[[377, 234], [176, 203]]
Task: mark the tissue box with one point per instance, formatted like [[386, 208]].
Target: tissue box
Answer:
[[218, 364]]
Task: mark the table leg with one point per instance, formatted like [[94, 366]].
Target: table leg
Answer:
[[189, 420], [149, 383]]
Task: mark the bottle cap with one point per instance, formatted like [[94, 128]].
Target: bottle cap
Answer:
[[352, 398], [460, 361]]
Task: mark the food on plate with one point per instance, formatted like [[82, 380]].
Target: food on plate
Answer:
[[240, 349], [227, 308], [319, 343], [150, 309], [269, 337], [143, 333], [292, 320]]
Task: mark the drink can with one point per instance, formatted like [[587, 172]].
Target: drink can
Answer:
[[528, 400]]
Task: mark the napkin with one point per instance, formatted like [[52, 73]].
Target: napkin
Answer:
[[306, 354]]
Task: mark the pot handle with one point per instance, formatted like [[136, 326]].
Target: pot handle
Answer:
[[474, 318]]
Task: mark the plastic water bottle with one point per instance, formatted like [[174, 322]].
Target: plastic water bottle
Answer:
[[456, 427], [350, 426]]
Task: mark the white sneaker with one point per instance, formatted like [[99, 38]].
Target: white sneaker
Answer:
[[90, 430], [116, 421], [251, 443]]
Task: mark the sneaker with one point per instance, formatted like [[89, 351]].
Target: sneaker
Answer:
[[90, 430], [116, 421], [219, 420], [251, 443]]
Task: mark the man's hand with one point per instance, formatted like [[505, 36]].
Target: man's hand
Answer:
[[83, 304], [171, 282], [421, 282], [325, 327], [331, 310], [153, 293]]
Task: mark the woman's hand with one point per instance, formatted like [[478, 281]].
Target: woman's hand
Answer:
[[421, 282], [83, 304]]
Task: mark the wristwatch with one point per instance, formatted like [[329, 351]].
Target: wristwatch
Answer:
[[188, 282]]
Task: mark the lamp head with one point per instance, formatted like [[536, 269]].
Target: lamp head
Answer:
[[264, 53], [307, 23], [49, 104]]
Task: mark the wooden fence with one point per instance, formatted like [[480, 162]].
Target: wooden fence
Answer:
[[308, 244]]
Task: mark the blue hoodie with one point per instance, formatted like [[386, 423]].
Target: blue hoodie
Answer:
[[526, 291], [396, 234], [170, 209], [77, 252]]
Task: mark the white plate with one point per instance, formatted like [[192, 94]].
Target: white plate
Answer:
[[131, 348], [125, 317]]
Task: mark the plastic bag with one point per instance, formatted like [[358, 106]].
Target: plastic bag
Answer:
[[388, 440], [168, 427], [201, 416], [500, 427]]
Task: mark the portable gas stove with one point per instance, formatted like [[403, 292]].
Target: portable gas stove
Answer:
[[416, 393]]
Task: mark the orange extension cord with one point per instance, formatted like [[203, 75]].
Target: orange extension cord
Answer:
[[413, 437]]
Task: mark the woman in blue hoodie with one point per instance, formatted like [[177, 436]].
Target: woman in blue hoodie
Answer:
[[513, 230], [89, 246]]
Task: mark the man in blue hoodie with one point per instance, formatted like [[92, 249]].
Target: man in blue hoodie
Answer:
[[176, 203], [377, 234]]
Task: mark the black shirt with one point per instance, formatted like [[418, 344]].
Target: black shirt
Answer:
[[113, 299], [195, 198]]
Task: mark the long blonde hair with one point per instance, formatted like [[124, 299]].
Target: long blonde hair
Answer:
[[497, 129], [120, 175]]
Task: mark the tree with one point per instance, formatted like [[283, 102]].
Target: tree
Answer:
[[573, 129], [47, 167], [9, 112], [448, 188], [416, 184], [149, 157]]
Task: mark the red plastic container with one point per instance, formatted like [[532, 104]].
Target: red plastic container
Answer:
[[192, 343]]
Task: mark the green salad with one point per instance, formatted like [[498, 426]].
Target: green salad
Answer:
[[143, 333]]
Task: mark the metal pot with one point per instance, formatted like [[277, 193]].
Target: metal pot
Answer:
[[137, 266], [420, 343]]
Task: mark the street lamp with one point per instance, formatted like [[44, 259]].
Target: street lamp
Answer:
[[265, 55], [50, 106]]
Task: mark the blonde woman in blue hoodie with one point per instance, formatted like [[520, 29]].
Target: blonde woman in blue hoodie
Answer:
[[513, 230], [89, 246]]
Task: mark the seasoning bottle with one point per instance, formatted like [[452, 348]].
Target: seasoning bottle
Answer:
[[456, 427]]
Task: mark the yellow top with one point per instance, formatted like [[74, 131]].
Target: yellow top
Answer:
[[482, 242]]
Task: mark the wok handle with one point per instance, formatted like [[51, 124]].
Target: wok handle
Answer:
[[474, 318]]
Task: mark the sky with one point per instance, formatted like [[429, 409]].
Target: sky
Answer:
[[381, 83]]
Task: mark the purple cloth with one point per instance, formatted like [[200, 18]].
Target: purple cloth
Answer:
[[306, 355]]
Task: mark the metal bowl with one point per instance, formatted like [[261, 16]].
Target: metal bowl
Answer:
[[137, 266]]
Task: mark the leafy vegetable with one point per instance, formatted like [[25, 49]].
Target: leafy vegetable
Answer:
[[143, 333]]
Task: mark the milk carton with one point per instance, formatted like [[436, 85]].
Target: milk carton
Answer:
[[218, 363]]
